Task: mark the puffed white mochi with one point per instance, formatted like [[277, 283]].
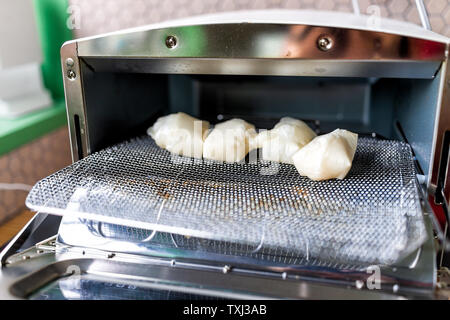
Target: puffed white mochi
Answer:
[[180, 133], [230, 141], [287, 137], [327, 156]]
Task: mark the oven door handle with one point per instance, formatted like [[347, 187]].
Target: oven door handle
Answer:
[[423, 14]]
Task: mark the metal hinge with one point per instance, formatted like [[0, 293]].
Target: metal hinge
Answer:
[[43, 247]]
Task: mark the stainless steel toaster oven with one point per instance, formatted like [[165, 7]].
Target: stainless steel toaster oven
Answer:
[[139, 222]]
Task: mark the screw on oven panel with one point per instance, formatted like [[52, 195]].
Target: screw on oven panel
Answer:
[[70, 62], [226, 269], [324, 43], [71, 74], [171, 42]]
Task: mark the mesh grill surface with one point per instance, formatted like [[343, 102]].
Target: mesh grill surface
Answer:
[[371, 216]]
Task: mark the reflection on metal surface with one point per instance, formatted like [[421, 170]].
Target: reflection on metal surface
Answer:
[[442, 126], [35, 274], [87, 287], [278, 40], [184, 277]]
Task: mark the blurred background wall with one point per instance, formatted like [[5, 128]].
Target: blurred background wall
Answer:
[[34, 145], [23, 167], [98, 16], [59, 20]]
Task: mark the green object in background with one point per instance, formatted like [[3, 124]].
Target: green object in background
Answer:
[[16, 132], [51, 17]]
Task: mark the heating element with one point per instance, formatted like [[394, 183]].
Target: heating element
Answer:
[[372, 216]]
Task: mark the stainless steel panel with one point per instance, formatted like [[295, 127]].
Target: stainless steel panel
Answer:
[[269, 66], [24, 276], [75, 104], [211, 282], [442, 125], [261, 41]]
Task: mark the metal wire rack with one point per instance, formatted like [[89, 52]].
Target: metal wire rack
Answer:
[[372, 216]]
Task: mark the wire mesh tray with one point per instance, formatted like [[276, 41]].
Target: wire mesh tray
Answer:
[[372, 216]]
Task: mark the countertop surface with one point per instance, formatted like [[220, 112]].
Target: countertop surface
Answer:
[[10, 228]]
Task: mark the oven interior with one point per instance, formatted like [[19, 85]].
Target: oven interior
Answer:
[[122, 105]]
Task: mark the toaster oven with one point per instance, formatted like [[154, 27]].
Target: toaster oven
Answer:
[[139, 222]]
